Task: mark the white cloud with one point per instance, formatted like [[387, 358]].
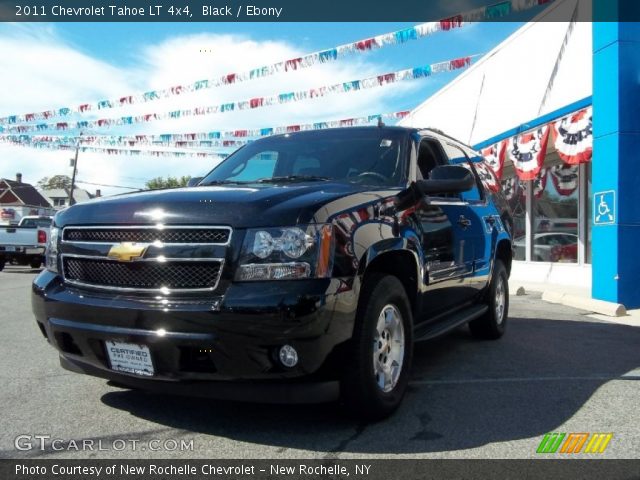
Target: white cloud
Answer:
[[39, 71]]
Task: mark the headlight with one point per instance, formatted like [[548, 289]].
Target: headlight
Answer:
[[287, 253], [51, 255]]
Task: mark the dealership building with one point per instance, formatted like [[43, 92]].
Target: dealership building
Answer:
[[555, 108]]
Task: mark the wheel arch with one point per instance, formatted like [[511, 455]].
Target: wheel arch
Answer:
[[504, 253], [397, 260]]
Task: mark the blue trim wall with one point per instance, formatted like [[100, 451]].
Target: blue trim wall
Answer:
[[616, 161], [561, 112]]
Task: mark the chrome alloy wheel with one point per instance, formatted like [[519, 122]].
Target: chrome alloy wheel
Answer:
[[388, 348], [500, 300]]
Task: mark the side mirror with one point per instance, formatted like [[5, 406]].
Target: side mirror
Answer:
[[447, 179], [193, 181]]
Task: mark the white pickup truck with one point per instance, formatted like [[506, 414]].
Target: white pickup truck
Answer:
[[25, 243]]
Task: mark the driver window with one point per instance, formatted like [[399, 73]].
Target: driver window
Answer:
[[428, 157]]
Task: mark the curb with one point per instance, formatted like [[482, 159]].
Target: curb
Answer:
[[609, 309]]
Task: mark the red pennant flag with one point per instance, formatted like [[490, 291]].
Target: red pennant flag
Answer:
[[292, 64], [256, 102]]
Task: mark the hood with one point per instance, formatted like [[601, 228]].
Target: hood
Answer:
[[239, 206]]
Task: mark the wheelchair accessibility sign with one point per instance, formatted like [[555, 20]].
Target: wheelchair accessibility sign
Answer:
[[604, 208]]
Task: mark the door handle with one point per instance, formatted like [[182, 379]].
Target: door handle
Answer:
[[464, 222]]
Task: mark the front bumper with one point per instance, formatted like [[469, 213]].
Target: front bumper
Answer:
[[224, 346]]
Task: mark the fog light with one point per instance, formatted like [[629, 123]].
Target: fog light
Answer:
[[288, 356]]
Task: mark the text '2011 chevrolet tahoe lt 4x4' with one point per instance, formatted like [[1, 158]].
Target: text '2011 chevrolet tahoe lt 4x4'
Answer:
[[301, 269]]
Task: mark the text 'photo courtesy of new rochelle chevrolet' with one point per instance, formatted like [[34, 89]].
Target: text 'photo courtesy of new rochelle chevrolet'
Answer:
[[289, 241]]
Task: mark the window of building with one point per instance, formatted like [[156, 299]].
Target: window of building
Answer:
[[552, 213], [555, 213]]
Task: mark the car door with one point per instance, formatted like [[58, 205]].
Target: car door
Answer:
[[447, 252]]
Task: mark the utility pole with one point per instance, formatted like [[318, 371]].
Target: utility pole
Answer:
[[75, 170]]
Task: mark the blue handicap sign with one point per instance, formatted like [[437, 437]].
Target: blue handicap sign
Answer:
[[604, 207]]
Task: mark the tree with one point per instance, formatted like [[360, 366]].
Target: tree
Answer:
[[169, 182], [57, 181]]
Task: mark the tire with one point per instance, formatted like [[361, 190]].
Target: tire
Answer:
[[2, 262], [371, 387], [35, 262], [492, 324]]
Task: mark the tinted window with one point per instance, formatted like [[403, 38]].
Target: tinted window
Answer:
[[258, 166]]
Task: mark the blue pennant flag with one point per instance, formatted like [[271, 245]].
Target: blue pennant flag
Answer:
[[421, 71], [407, 34], [498, 10], [327, 55]]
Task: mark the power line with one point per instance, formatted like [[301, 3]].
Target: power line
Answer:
[[107, 185]]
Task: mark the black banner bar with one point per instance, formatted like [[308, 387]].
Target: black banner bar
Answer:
[[300, 11], [406, 469]]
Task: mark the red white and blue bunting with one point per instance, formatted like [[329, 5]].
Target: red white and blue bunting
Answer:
[[494, 157], [527, 152], [573, 137], [224, 138], [399, 37], [564, 178], [424, 71]]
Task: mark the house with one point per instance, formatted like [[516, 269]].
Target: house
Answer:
[[18, 199], [59, 197]]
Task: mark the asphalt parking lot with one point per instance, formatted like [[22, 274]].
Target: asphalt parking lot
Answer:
[[556, 370]]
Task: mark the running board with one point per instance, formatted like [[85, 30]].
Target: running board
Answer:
[[433, 330]]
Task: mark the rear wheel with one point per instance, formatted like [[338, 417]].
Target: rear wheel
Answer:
[[492, 324], [2, 262], [377, 375], [35, 262]]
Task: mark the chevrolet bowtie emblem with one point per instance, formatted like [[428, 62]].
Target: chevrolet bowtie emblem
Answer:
[[127, 252]]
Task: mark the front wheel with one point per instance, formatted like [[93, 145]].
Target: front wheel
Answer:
[[376, 378], [492, 324]]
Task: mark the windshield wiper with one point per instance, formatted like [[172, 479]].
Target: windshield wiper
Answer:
[[221, 182], [293, 178]]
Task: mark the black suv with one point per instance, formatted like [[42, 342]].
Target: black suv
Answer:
[[300, 269]]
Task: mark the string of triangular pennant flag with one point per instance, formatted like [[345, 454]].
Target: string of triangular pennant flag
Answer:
[[218, 138], [424, 71], [398, 37]]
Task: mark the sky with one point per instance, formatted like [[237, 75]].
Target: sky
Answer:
[[49, 66]]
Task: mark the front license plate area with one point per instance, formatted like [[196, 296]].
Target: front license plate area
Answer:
[[130, 358]]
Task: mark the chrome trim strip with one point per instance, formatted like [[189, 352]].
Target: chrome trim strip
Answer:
[[147, 227], [164, 291], [151, 259], [111, 330]]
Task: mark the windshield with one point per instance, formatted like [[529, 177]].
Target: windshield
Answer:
[[372, 156]]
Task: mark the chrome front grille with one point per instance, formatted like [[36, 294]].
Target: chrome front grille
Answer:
[[146, 259], [214, 236], [147, 275]]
